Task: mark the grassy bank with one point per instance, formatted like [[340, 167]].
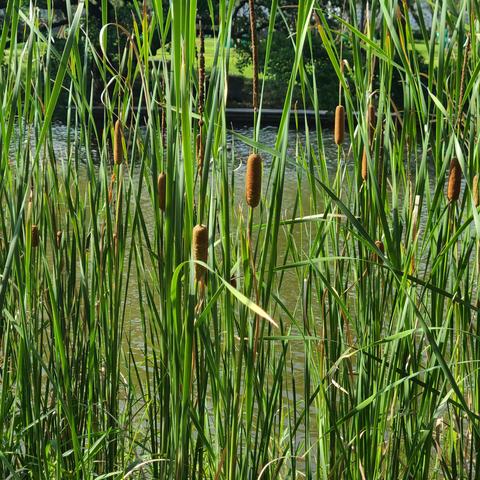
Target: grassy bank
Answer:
[[337, 340]]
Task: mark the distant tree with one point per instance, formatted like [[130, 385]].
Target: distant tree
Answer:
[[282, 52]]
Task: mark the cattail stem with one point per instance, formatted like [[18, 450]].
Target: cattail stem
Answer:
[[200, 250], [199, 150], [415, 221], [371, 133], [201, 74], [371, 122], [462, 80], [255, 283], [164, 127], [253, 32], [201, 100], [364, 165], [253, 180], [117, 143]]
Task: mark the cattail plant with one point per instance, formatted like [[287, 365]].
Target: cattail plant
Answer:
[[77, 327], [117, 143], [200, 250], [475, 191], [339, 124], [253, 180], [161, 190], [35, 236], [454, 180], [253, 33]]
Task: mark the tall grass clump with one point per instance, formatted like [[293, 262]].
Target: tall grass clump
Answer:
[[170, 310]]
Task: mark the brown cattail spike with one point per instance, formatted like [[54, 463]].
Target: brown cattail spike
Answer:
[[339, 124], [253, 180], [475, 191], [35, 236], [454, 180], [200, 250], [364, 165], [117, 143], [59, 238], [161, 190]]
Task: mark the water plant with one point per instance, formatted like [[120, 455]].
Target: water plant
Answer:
[[157, 320]]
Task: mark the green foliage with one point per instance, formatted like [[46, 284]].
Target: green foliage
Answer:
[[337, 333], [280, 65]]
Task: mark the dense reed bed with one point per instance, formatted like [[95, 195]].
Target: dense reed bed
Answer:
[[370, 372]]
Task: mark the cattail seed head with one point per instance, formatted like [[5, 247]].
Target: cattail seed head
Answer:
[[253, 180], [117, 143], [339, 124], [475, 191], [364, 165], [35, 236], [200, 250], [59, 238], [161, 190], [454, 180]]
